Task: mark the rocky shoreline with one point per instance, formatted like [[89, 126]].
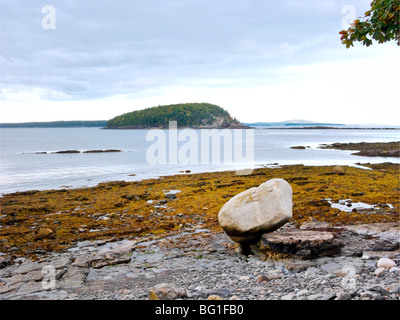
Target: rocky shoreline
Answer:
[[160, 239], [368, 149], [199, 264]]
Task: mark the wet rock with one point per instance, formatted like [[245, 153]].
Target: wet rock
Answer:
[[66, 151], [302, 244], [170, 196], [257, 210], [102, 151]]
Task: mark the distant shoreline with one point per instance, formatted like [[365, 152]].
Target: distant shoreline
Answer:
[[327, 128], [22, 126], [56, 124]]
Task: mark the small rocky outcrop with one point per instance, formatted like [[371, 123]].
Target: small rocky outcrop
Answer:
[[303, 244], [248, 215]]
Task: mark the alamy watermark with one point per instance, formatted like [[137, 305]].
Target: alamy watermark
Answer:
[[202, 146], [49, 20], [349, 280], [350, 15], [49, 277]]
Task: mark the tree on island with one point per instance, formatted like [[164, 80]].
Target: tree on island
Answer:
[[381, 24]]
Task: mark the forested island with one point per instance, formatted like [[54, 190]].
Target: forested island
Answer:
[[193, 115]]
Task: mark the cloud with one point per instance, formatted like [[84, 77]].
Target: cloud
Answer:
[[145, 50]]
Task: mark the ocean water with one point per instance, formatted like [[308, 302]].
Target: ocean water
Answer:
[[22, 169]]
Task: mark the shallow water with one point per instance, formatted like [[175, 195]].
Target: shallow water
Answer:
[[21, 169]]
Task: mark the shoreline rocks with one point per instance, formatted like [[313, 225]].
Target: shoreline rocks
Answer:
[[304, 244], [199, 266], [368, 149]]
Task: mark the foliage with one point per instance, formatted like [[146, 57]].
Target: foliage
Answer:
[[381, 24], [186, 115]]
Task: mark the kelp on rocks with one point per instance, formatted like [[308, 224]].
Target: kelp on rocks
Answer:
[[34, 222]]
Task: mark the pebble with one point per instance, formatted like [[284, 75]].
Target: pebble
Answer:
[[385, 263], [380, 271]]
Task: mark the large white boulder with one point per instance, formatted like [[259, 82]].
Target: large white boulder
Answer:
[[248, 215]]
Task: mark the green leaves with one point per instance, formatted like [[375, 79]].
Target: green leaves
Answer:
[[381, 24]]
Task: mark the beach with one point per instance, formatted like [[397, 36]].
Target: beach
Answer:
[[145, 218]]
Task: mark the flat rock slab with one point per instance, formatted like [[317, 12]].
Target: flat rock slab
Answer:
[[303, 244]]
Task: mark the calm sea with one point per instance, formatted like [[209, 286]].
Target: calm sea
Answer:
[[22, 169]]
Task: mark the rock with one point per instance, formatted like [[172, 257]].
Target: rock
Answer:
[[261, 278], [301, 243], [222, 292], [383, 245], [394, 288], [344, 296], [302, 292], [244, 278], [214, 297], [5, 261], [298, 266], [330, 296], [338, 170], [394, 269], [316, 225], [66, 151], [166, 291], [170, 196], [378, 288], [111, 258], [43, 233], [248, 215], [380, 271], [331, 267], [385, 263], [75, 277], [153, 295], [289, 296], [298, 147]]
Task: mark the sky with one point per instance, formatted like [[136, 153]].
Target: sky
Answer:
[[261, 60]]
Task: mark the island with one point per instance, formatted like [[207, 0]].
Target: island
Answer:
[[187, 115]]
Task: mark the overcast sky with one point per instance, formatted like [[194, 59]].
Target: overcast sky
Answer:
[[261, 60]]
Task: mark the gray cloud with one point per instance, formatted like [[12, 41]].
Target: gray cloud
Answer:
[[105, 48]]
